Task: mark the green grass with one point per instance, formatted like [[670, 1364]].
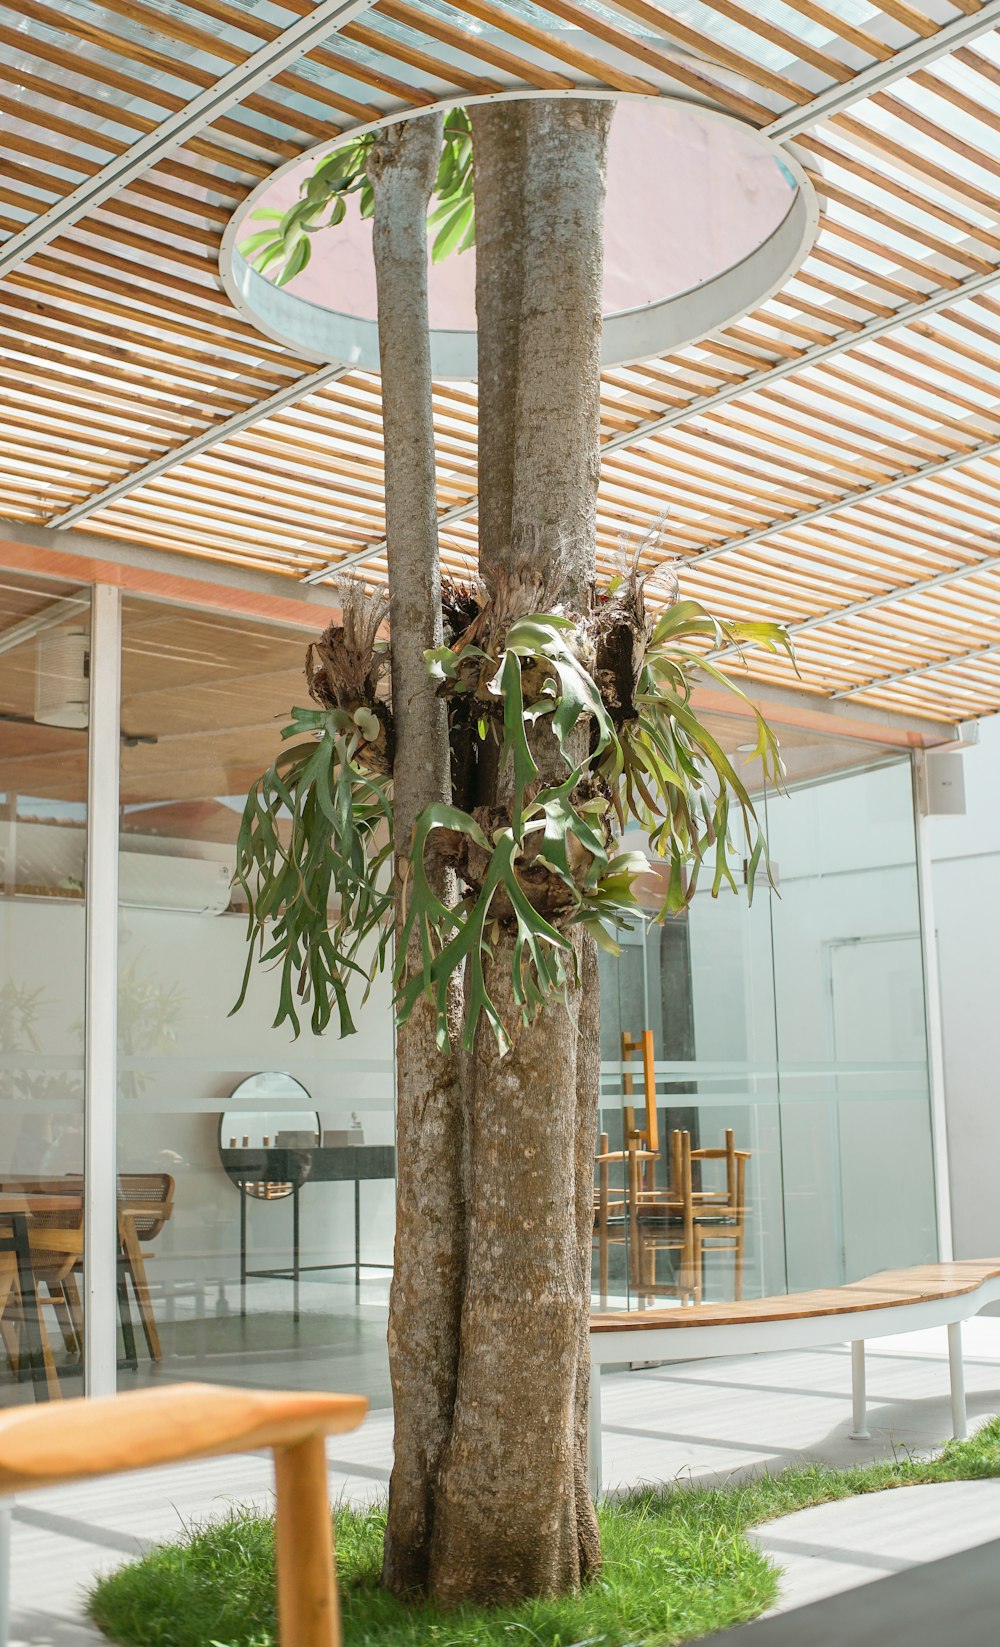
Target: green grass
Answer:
[[676, 1566]]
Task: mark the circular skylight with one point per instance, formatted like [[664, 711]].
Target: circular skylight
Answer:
[[705, 218]]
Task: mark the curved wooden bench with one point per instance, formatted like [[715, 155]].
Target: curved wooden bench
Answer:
[[49, 1446], [896, 1301]]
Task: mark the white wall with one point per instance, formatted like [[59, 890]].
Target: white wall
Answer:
[[966, 886], [181, 1055]]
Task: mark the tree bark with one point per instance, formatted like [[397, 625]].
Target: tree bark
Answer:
[[588, 1099], [499, 151], [430, 1216], [514, 1514]]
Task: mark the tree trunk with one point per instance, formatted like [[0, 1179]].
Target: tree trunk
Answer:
[[430, 1219], [514, 1515], [499, 158]]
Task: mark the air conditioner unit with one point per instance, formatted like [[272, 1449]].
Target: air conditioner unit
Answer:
[[195, 886], [62, 678]]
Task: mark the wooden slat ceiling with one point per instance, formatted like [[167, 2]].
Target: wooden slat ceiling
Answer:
[[831, 460]]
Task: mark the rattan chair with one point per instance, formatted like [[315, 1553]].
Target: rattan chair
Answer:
[[145, 1203]]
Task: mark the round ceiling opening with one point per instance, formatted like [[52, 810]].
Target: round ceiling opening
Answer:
[[704, 219]]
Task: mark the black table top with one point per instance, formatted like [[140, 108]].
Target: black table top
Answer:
[[955, 1601], [315, 1164]]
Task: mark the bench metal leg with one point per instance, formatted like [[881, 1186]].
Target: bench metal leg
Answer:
[[593, 1433], [959, 1421], [860, 1431], [5, 1519]]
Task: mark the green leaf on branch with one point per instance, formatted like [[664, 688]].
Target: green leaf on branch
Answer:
[[313, 858], [343, 173]]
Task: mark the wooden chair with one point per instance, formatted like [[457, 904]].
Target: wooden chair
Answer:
[[9, 1301], [662, 1220], [611, 1206], [145, 1203], [720, 1214], [611, 1217], [648, 1134], [76, 1440], [56, 1241]]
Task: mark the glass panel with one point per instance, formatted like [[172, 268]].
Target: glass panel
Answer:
[[252, 1155], [44, 692], [797, 1024], [702, 984], [855, 1099]]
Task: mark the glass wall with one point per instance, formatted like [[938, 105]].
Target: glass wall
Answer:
[[245, 1154], [796, 1022], [44, 690], [255, 1171]]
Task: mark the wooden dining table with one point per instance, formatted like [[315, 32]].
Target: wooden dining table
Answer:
[[17, 1208]]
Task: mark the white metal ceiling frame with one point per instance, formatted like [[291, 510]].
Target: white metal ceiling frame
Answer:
[[290, 395], [953, 662], [832, 100], [208, 105]]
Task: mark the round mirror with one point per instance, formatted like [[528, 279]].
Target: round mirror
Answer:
[[266, 1134]]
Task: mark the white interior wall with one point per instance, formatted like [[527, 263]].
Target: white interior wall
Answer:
[[181, 1055]]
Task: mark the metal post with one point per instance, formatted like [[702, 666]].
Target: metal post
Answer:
[[959, 1421], [243, 1249], [6, 1509], [100, 1254], [932, 1010], [860, 1432], [357, 1237], [594, 1429], [295, 1253]]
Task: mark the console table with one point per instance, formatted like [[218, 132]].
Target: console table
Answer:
[[315, 1164]]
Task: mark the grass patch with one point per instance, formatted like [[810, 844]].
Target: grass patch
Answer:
[[676, 1566]]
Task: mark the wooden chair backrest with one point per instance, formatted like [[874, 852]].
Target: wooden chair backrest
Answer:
[[736, 1171], [56, 1238], [643, 1043], [152, 1189]]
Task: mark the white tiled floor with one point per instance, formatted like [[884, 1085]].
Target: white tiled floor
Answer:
[[695, 1421]]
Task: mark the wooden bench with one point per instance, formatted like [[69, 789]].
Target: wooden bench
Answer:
[[75, 1440], [897, 1301]]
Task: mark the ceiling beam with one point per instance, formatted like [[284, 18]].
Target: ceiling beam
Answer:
[[60, 611], [917, 55], [789, 706], [290, 395], [951, 662], [207, 106], [847, 500], [84, 558]]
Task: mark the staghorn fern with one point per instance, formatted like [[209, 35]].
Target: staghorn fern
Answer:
[[316, 843], [311, 856], [662, 769]]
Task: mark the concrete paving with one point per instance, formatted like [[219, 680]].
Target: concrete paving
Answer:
[[835, 1547], [707, 1421]]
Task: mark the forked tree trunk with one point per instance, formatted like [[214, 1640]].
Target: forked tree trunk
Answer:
[[430, 1239], [514, 1517]]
